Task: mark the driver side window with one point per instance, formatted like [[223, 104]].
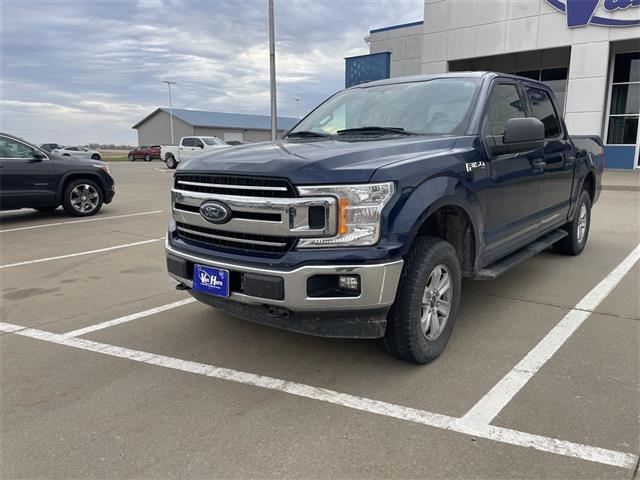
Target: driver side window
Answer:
[[505, 103], [12, 149]]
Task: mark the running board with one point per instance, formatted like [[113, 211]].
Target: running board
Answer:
[[496, 269]]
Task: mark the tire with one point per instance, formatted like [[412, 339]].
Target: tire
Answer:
[[171, 162], [408, 337], [578, 228], [131, 158], [46, 209], [95, 156], [82, 198], [147, 158]]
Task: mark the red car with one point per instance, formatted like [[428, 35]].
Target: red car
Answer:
[[144, 152]]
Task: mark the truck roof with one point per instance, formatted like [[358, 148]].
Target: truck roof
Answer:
[[423, 78]]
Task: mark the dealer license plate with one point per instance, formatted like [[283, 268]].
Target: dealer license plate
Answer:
[[211, 280]]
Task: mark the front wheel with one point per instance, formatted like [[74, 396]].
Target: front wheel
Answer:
[[147, 158], [421, 320], [578, 228], [82, 198], [131, 158], [95, 156], [171, 162]]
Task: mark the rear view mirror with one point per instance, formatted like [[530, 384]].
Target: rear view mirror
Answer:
[[520, 135]]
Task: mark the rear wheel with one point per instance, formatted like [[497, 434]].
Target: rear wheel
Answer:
[[171, 162], [131, 158], [95, 156], [578, 228], [421, 320], [82, 198]]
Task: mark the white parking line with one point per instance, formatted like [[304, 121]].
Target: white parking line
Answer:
[[499, 434], [127, 318], [95, 219], [89, 252], [489, 406]]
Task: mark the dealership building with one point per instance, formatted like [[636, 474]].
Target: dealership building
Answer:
[[587, 51]]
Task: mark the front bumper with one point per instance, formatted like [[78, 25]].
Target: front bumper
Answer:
[[361, 316], [378, 283], [109, 190]]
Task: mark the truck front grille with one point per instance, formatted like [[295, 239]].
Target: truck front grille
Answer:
[[236, 185], [234, 241]]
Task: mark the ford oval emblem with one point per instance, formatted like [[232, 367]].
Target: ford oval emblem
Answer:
[[215, 212]]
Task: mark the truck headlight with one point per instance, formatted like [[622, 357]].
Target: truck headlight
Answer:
[[359, 211]]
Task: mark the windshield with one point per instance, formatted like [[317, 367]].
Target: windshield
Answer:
[[212, 141], [434, 107]]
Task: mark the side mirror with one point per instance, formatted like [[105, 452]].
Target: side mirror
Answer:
[[202, 146], [38, 156], [520, 135], [523, 131]]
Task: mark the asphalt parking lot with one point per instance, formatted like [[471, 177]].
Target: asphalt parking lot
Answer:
[[108, 371]]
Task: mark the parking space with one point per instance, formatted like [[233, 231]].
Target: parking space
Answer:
[[149, 384]]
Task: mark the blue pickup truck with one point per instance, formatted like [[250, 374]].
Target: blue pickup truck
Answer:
[[362, 221]]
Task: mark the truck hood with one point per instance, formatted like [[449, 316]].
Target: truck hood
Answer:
[[316, 162]]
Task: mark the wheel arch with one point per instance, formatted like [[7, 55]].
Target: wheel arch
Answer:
[[71, 176], [452, 213]]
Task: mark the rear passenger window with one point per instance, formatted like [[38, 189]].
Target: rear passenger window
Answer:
[[187, 142], [542, 109], [504, 105]]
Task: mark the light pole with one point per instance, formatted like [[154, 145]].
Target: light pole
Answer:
[[272, 77], [169, 83], [297, 99]]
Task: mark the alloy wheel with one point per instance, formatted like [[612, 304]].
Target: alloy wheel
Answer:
[[436, 302], [84, 198], [582, 222]]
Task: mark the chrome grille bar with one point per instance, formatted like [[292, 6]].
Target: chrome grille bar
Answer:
[[234, 240], [232, 187]]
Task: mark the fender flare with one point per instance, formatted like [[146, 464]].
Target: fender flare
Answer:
[[442, 191]]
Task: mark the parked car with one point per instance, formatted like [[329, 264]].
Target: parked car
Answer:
[[49, 147], [30, 177], [188, 147], [236, 142], [363, 219], [144, 152], [78, 152]]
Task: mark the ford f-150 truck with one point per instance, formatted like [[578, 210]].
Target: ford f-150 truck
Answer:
[[187, 148], [362, 221]]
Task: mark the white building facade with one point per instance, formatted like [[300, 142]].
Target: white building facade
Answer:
[[588, 51]]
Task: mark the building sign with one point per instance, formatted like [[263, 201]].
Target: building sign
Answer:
[[367, 68], [581, 13]]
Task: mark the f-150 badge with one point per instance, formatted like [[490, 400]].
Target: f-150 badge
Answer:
[[474, 165]]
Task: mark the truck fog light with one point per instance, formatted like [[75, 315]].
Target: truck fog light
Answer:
[[349, 282]]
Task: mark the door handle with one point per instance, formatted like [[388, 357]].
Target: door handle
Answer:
[[569, 159], [538, 162]]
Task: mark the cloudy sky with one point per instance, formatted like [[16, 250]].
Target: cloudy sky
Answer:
[[86, 71]]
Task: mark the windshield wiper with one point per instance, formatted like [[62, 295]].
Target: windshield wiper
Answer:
[[376, 131], [307, 133]]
